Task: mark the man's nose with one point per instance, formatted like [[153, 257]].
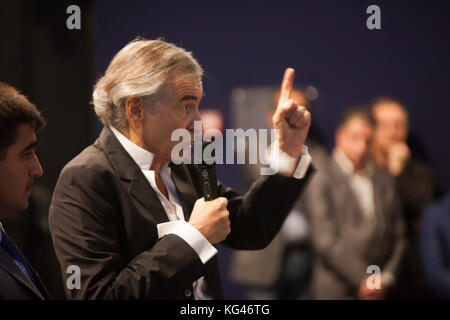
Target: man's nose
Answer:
[[36, 168], [197, 116], [362, 148]]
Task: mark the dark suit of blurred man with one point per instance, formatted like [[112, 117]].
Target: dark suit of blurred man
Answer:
[[356, 218]]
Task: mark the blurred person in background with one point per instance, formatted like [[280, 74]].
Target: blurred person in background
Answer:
[[435, 247], [355, 217], [212, 119], [283, 269], [19, 167], [413, 179]]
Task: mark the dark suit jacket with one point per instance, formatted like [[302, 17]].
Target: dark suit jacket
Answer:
[[15, 285], [30, 232], [262, 268], [345, 241], [435, 247], [415, 188], [104, 217]]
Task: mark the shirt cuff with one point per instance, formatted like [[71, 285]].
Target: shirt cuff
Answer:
[[192, 236], [283, 163]]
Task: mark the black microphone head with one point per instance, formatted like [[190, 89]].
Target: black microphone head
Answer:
[[208, 158], [208, 175]]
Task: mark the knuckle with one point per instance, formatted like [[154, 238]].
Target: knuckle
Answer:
[[199, 202], [275, 117], [307, 114], [216, 205], [286, 104], [224, 201], [224, 215]]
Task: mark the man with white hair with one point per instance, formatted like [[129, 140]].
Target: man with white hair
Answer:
[[135, 223]]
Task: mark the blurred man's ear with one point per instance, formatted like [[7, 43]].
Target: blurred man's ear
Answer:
[[337, 135], [269, 116], [135, 110]]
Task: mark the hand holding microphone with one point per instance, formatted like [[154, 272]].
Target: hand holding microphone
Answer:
[[210, 215], [211, 218]]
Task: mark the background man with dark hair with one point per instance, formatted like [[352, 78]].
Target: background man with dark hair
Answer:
[[414, 181], [19, 167], [355, 217]]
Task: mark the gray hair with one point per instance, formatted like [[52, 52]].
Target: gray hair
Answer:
[[143, 68]]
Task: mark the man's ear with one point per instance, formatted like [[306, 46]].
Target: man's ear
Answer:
[[268, 116], [337, 135], [135, 109]]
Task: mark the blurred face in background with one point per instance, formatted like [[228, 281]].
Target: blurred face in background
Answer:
[[19, 167], [211, 119], [391, 125], [296, 95], [353, 138]]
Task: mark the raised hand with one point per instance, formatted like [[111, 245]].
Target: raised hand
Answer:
[[398, 156], [291, 119]]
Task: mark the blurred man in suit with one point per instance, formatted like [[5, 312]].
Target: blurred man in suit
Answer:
[[414, 181], [390, 151], [355, 217], [135, 223], [19, 167], [435, 247], [282, 270]]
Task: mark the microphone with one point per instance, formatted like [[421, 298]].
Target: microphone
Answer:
[[208, 175]]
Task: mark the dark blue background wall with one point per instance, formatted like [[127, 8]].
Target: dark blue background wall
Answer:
[[242, 43]]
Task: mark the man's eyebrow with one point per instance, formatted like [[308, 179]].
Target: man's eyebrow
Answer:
[[32, 145], [189, 97]]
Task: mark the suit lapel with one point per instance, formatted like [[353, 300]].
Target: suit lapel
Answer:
[[188, 194], [127, 169], [185, 188], [139, 188], [142, 191], [7, 263], [40, 283], [346, 193], [213, 281], [378, 192]]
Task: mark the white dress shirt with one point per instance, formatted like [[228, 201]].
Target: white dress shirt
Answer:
[[361, 184], [177, 225], [295, 228]]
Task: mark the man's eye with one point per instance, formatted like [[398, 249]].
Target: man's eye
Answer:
[[186, 108], [27, 155]]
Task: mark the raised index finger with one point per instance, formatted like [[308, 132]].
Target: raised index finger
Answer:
[[286, 85]]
